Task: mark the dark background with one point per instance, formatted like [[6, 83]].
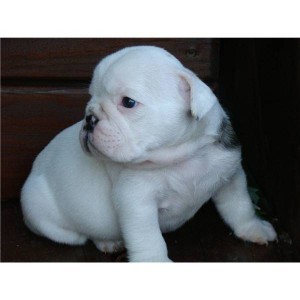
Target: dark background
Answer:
[[260, 85], [44, 90]]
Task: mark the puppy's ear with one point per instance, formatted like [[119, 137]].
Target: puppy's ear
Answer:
[[200, 96]]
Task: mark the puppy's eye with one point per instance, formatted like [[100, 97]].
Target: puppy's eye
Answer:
[[128, 102]]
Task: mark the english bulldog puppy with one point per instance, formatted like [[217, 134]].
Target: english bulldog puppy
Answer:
[[153, 147]]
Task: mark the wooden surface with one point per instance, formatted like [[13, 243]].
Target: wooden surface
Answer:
[[205, 238], [76, 58]]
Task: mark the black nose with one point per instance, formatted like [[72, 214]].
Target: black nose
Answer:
[[91, 122]]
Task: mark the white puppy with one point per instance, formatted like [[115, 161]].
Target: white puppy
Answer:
[[157, 146]]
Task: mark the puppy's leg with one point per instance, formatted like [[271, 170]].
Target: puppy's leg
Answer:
[[58, 234], [234, 204], [138, 217], [142, 235], [42, 216]]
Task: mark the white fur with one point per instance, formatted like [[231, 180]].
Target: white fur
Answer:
[[149, 168]]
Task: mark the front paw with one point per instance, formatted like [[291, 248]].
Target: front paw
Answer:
[[256, 231], [107, 246]]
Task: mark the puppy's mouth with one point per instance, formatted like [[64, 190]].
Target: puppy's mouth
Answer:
[[89, 148], [84, 141], [106, 147]]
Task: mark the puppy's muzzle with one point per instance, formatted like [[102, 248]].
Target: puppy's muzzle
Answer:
[[91, 122]]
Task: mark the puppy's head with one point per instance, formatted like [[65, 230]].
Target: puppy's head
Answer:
[[142, 99]]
